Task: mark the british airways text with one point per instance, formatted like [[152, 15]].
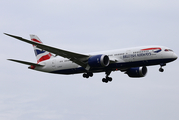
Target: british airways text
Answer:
[[137, 55]]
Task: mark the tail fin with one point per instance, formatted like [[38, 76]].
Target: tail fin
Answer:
[[41, 55]]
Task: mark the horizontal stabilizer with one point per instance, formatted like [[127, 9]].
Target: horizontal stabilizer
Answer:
[[26, 63]]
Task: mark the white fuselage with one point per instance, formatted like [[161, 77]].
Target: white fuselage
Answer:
[[121, 59]]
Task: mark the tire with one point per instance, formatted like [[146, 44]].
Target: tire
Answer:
[[161, 70], [104, 80]]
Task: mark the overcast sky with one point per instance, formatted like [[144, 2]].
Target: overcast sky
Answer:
[[87, 26]]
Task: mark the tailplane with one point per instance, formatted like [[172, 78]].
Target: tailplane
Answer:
[[41, 55]]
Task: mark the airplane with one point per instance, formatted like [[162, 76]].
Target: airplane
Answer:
[[131, 61]]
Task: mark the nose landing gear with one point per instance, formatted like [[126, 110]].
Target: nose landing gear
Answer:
[[161, 65], [161, 69]]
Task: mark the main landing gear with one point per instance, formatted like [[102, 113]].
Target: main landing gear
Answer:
[[107, 79], [88, 74], [161, 65]]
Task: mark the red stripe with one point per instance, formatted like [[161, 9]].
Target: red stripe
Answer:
[[35, 40], [45, 57], [151, 48]]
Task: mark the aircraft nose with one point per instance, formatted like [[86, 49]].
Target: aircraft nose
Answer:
[[175, 56]]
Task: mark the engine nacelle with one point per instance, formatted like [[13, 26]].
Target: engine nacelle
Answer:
[[98, 61], [137, 71]]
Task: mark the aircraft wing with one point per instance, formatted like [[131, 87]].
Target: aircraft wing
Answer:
[[75, 57]]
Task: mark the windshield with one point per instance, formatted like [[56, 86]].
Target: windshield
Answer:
[[168, 50]]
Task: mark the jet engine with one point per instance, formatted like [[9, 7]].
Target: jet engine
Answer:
[[98, 61], [137, 72]]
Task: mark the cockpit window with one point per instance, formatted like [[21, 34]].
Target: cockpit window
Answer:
[[168, 50]]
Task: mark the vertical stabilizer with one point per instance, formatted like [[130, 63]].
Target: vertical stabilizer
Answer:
[[41, 55]]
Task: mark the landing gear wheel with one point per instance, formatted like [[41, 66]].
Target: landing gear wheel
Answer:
[[105, 80], [161, 65], [85, 75], [109, 79], [161, 69], [88, 74]]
